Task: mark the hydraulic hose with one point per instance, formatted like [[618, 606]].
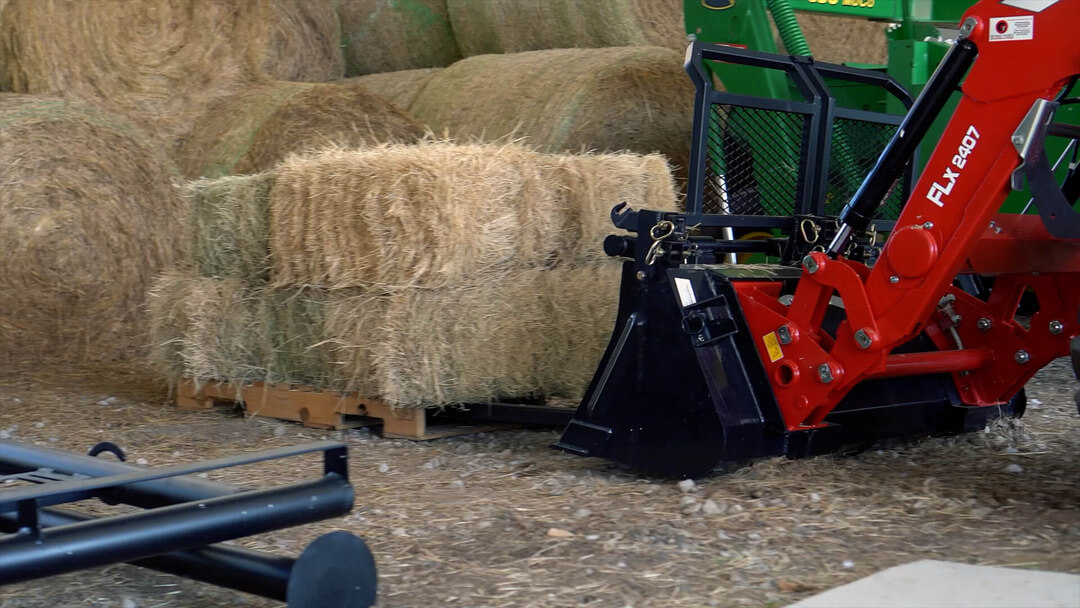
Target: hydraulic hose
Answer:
[[790, 32]]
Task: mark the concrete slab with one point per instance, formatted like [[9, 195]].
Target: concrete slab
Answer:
[[936, 584]]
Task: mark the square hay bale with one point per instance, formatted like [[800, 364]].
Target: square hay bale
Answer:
[[230, 235], [434, 214]]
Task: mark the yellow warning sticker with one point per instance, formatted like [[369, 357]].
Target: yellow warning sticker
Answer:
[[772, 345]]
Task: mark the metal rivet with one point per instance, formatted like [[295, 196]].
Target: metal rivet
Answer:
[[894, 279], [640, 275], [1022, 356], [1056, 327], [863, 339], [825, 373], [784, 333], [984, 324], [928, 225], [810, 264]]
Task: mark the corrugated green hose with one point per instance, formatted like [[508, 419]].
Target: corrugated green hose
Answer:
[[790, 32]]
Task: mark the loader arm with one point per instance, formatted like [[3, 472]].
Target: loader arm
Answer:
[[844, 344], [941, 227]]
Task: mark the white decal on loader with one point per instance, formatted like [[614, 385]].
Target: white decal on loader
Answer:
[[959, 160]]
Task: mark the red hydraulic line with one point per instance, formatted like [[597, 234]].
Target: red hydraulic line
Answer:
[[947, 361]]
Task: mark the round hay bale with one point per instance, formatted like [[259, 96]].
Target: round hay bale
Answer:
[[402, 88], [391, 35], [252, 130], [100, 48], [88, 214], [627, 98], [839, 39], [513, 26], [156, 61]]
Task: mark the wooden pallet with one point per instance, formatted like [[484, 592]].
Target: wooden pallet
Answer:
[[322, 409]]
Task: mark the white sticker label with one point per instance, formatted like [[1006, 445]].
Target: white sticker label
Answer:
[[1012, 28], [686, 291]]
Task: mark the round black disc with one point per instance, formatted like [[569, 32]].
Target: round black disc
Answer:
[[337, 570]]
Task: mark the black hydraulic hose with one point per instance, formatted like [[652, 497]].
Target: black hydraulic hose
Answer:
[[858, 213]]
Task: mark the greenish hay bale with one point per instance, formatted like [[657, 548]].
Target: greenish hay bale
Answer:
[[156, 61], [430, 214], [88, 215], [401, 88], [391, 35], [630, 98], [422, 215], [838, 39], [224, 330], [229, 232], [253, 130], [513, 26]]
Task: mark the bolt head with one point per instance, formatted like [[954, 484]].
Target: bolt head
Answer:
[[928, 225], [894, 279], [640, 275], [825, 373], [863, 339], [1056, 327], [784, 334], [810, 264], [984, 324], [1022, 356]]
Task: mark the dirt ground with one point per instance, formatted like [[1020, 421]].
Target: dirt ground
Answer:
[[465, 521]]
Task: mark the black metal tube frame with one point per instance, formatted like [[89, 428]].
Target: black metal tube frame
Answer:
[[818, 105]]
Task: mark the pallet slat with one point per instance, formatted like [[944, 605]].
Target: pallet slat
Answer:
[[320, 409]]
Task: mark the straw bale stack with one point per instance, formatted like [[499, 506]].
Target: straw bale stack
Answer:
[[629, 98], [229, 232], [391, 35], [157, 61], [525, 333], [252, 130], [432, 214], [513, 26], [402, 88], [88, 215]]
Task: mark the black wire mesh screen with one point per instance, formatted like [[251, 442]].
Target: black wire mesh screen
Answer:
[[856, 145], [752, 161]]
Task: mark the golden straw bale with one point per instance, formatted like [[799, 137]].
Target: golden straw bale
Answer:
[[390, 35], [421, 215], [253, 130], [513, 26], [156, 60], [402, 88], [630, 98], [88, 214]]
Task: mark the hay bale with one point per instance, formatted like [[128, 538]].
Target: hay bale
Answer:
[[88, 215], [252, 130], [632, 98], [154, 60], [513, 26], [432, 214], [581, 305], [229, 231], [225, 330], [421, 215], [391, 35], [839, 39], [401, 88]]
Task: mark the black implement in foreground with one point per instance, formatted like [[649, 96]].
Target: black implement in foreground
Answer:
[[182, 520]]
